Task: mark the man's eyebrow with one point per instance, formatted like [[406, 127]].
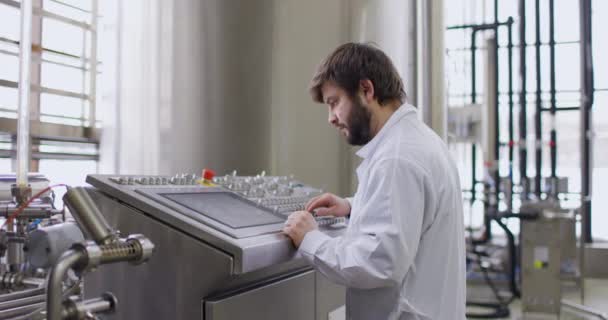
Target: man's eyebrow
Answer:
[[330, 99]]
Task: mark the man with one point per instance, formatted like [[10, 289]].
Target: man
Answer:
[[402, 254]]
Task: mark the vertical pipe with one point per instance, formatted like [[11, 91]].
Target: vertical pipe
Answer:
[[553, 142], [473, 66], [538, 116], [15, 255], [432, 56], [511, 142], [473, 101], [54, 296], [587, 90], [93, 66], [23, 129], [492, 184], [523, 149], [487, 221], [473, 173], [437, 68], [35, 80], [496, 168]]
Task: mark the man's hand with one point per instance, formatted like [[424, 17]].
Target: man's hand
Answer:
[[329, 205], [298, 224]]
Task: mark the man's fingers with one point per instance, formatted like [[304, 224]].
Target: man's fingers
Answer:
[[287, 230], [321, 201], [325, 211], [311, 201], [315, 203]]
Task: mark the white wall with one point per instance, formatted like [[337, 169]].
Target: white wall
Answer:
[[390, 25], [221, 82], [303, 143]]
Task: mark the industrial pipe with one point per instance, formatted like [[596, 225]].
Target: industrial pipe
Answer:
[[473, 101], [553, 138], [587, 90], [476, 28], [496, 169], [88, 216], [79, 310], [538, 115], [54, 296], [22, 313], [81, 257], [23, 124], [523, 121], [21, 294], [22, 302], [511, 129]]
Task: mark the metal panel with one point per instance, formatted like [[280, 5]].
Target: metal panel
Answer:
[[328, 296], [541, 287], [548, 257], [250, 254], [272, 222], [182, 271], [194, 262], [292, 298], [596, 260]]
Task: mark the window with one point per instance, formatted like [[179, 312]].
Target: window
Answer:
[[567, 83], [63, 101]]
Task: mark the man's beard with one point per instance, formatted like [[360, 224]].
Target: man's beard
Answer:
[[358, 123]]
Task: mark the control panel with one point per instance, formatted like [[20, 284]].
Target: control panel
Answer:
[[282, 194], [241, 206]]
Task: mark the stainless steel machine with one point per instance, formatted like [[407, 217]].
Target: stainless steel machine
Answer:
[[43, 257], [549, 258], [219, 250]]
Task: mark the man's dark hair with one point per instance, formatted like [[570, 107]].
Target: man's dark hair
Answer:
[[352, 62]]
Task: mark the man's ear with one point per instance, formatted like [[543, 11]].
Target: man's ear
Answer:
[[366, 88]]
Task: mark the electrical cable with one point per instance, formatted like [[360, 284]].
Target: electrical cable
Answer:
[[501, 308], [498, 309]]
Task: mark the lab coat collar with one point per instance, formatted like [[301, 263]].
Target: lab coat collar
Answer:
[[371, 146]]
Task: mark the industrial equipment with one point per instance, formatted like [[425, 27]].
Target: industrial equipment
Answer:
[[545, 256], [549, 256], [21, 283], [39, 249], [220, 253]]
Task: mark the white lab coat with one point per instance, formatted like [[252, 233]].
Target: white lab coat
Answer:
[[402, 255]]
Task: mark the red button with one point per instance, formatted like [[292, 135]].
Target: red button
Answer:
[[208, 174]]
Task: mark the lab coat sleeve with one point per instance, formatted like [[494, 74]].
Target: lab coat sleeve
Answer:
[[379, 250], [350, 201]]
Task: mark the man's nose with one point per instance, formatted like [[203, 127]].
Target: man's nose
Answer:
[[332, 119]]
